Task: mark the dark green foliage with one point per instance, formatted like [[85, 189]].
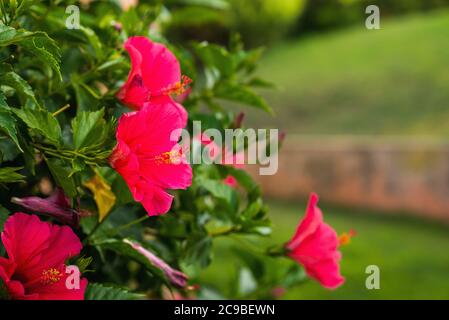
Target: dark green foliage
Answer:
[[58, 115]]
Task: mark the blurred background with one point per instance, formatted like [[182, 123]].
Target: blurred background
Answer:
[[366, 113]]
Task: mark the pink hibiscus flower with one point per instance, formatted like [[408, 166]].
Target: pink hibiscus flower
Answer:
[[155, 75], [35, 268], [148, 156], [315, 246]]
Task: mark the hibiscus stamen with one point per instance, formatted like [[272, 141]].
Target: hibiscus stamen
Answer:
[[169, 157], [176, 88], [50, 276], [345, 238]]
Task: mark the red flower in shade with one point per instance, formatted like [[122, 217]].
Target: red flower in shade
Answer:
[[148, 156], [315, 246], [37, 251], [155, 75]]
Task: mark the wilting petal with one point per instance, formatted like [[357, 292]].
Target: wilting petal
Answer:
[[175, 276], [103, 196], [56, 206]]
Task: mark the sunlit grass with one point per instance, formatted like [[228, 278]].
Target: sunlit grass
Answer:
[[389, 81], [412, 255]]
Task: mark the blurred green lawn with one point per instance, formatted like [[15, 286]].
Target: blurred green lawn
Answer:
[[412, 255], [389, 81]]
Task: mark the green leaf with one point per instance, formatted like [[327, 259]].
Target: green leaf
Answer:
[[37, 43], [85, 100], [253, 209], [221, 191], [28, 154], [5, 67], [9, 35], [121, 190], [10, 175], [247, 60], [16, 82], [6, 34], [89, 129], [83, 263], [8, 124], [261, 83], [213, 4], [8, 150], [93, 40], [295, 275], [4, 214], [242, 94], [45, 49], [42, 121], [216, 57], [61, 173], [196, 16], [97, 291], [253, 261], [198, 252], [78, 165]]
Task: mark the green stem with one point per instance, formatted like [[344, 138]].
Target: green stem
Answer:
[[277, 251], [92, 232], [134, 222], [249, 246], [125, 226], [3, 8], [68, 154], [62, 109], [225, 232]]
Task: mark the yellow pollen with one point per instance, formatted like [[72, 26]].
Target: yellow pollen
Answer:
[[170, 157], [51, 276], [345, 238], [177, 88]]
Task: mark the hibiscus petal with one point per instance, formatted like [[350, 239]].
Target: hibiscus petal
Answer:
[[25, 237], [156, 201], [309, 224], [163, 99], [157, 65], [134, 93], [7, 268], [59, 291], [315, 246], [169, 176], [64, 244]]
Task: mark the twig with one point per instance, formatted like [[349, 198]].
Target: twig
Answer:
[[62, 109]]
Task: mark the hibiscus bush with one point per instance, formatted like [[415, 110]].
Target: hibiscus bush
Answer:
[[99, 200]]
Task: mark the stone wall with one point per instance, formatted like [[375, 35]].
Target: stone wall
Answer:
[[392, 174]]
